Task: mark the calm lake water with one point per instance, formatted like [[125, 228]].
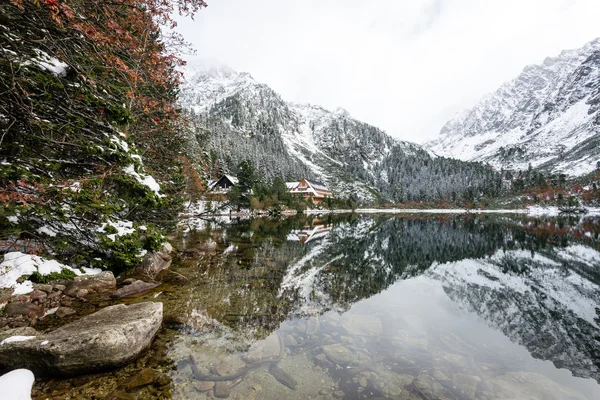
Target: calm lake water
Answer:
[[369, 307], [402, 307]]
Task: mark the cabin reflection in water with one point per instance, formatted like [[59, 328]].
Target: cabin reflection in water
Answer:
[[316, 230]]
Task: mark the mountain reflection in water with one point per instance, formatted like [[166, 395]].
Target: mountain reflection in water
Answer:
[[375, 307]]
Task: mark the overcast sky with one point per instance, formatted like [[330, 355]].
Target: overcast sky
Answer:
[[403, 65]]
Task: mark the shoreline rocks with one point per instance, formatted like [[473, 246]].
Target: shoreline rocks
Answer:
[[109, 338], [134, 287], [86, 284], [153, 263]]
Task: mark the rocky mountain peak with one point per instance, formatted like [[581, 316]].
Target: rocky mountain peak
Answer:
[[546, 117]]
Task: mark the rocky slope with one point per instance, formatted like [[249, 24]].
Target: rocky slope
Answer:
[[242, 118], [547, 117]]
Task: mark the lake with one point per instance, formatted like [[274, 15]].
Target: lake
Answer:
[[401, 307], [372, 307]]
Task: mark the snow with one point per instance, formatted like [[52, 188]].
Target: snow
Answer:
[[122, 227], [123, 144], [514, 126], [46, 230], [52, 64], [17, 264], [13, 219], [146, 180], [17, 384], [16, 339]]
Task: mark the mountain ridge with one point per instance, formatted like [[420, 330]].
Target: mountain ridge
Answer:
[[544, 117], [290, 139]]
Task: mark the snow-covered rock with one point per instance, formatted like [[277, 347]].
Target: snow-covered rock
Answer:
[[17, 264], [547, 117]]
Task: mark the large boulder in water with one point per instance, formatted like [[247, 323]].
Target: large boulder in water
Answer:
[[109, 338]]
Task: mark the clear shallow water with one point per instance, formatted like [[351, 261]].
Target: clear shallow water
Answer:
[[375, 307]]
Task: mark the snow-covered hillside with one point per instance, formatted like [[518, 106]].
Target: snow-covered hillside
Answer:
[[547, 117], [247, 119]]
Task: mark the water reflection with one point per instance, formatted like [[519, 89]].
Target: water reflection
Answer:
[[403, 307]]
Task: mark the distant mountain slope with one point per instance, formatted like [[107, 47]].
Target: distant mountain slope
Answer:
[[246, 119], [547, 117]]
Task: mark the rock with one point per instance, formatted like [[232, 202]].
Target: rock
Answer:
[[338, 394], [119, 395], [321, 357], [134, 288], [5, 295], [361, 324], [466, 384], [339, 354], [269, 347], [222, 390], [60, 287], [80, 293], [163, 379], [362, 381], [155, 261], [431, 388], [107, 339], [283, 377], [44, 288], [27, 309], [389, 383], [253, 356], [38, 295], [221, 368], [23, 331], [64, 312], [204, 386], [129, 281], [144, 377], [290, 341], [100, 283]]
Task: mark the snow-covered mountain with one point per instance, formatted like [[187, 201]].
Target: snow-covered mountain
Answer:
[[247, 119], [547, 117]]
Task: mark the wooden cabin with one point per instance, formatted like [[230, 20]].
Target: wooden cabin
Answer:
[[223, 184], [310, 189]]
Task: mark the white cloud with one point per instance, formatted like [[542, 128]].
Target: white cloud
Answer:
[[402, 65]]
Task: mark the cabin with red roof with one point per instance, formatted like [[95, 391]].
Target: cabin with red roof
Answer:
[[314, 190]]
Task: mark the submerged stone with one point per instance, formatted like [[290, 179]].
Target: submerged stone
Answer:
[[282, 377], [361, 324], [204, 386], [106, 339], [143, 378], [339, 354], [222, 390]]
